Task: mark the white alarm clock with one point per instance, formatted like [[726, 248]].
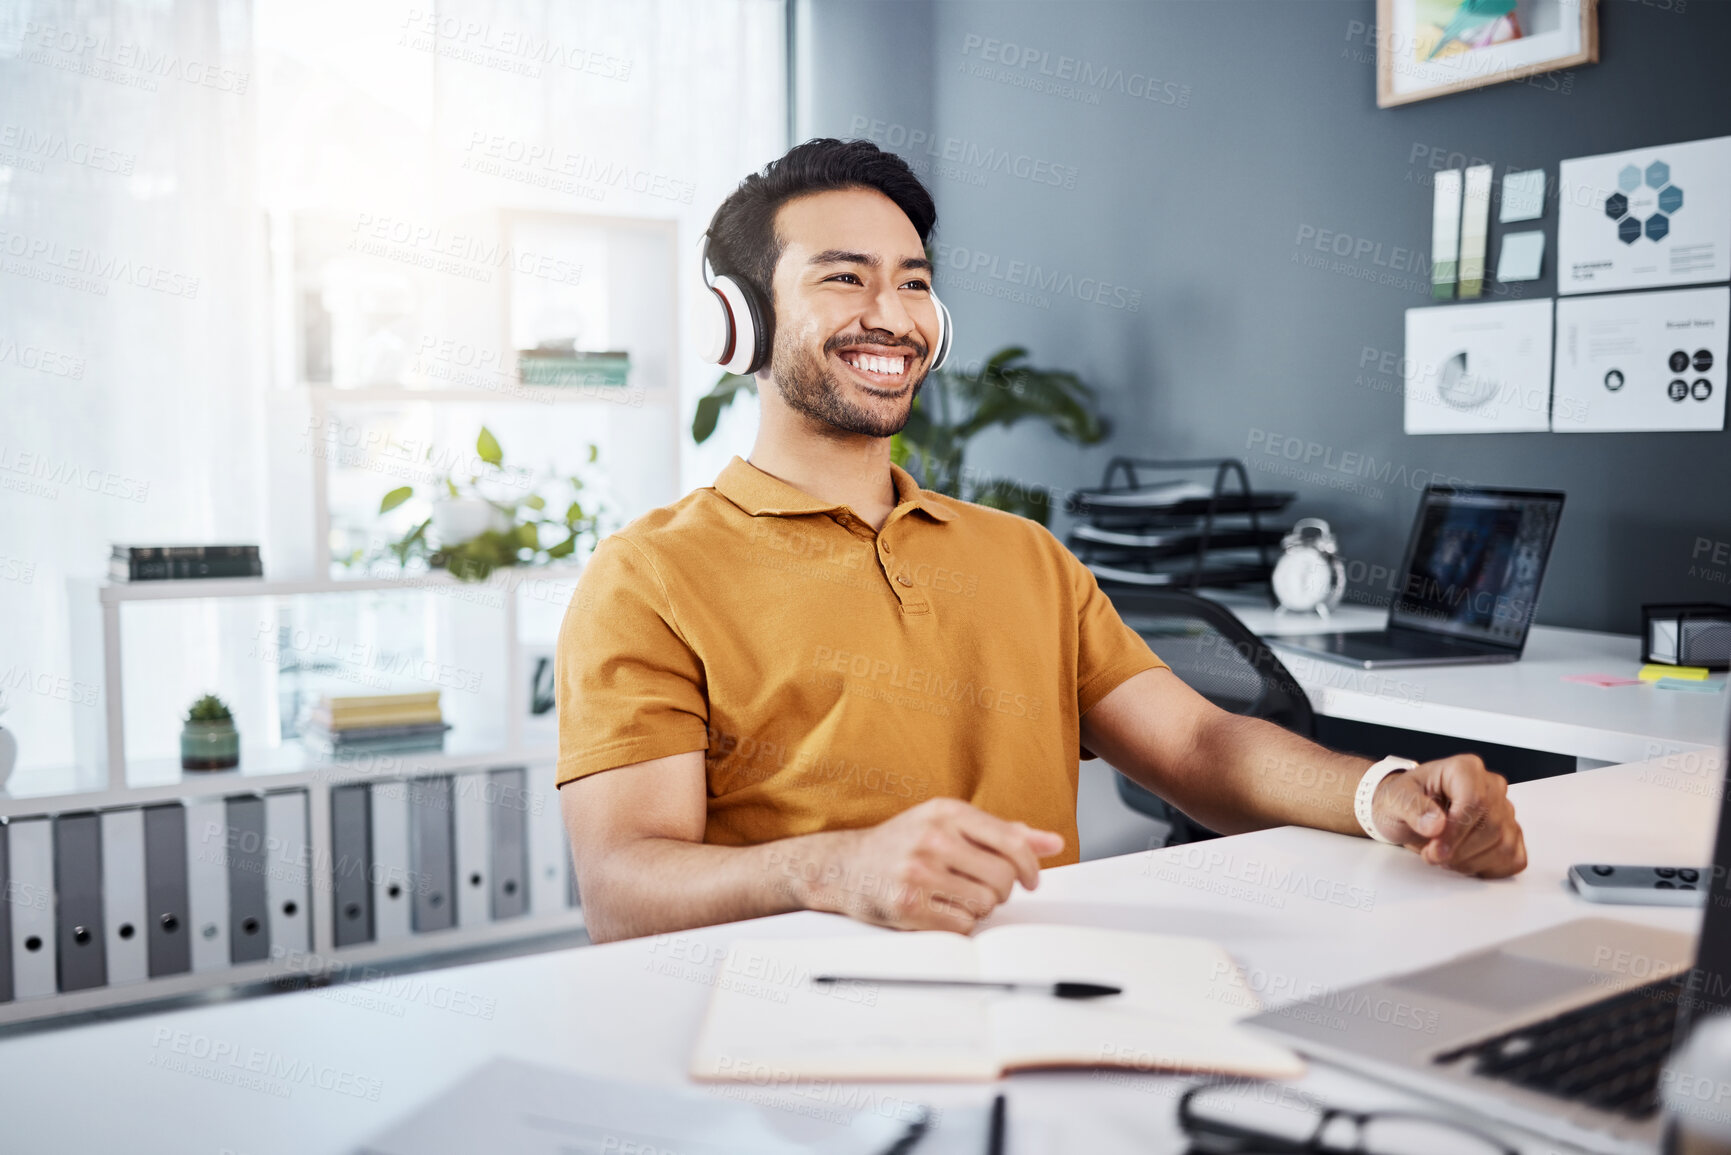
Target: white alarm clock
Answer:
[[1309, 575]]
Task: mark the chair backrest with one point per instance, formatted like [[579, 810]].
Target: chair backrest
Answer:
[[1216, 655]]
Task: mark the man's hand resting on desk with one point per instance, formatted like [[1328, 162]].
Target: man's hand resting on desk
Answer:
[[942, 865], [1232, 774], [1456, 814]]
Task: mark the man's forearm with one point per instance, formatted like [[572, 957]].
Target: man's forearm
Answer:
[[657, 885], [1251, 774]]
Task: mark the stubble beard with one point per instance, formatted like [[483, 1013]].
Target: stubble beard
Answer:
[[810, 388]]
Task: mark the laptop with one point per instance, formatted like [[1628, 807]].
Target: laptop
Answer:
[[1561, 1033], [1468, 586]]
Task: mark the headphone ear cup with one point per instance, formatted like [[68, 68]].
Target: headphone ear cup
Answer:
[[946, 329], [715, 322], [744, 352]]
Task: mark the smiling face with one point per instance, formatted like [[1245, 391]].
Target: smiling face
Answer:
[[855, 322]]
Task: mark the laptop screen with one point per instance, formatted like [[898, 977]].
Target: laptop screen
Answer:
[[1475, 561]]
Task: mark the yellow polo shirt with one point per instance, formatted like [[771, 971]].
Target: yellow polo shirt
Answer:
[[835, 676]]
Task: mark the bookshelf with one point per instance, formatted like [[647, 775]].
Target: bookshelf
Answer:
[[387, 336]]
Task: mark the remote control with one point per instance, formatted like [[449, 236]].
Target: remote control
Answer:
[[1640, 885]]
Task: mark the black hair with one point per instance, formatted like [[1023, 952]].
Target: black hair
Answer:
[[742, 240]]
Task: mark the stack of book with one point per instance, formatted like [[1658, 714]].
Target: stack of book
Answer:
[[381, 723], [559, 363], [137, 563]]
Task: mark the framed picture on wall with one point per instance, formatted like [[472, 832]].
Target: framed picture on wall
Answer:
[[1429, 48]]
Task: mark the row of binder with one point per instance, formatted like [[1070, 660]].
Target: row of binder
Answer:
[[451, 850], [112, 897], [120, 896]]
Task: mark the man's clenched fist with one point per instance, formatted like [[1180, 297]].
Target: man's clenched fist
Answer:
[[941, 865], [1456, 814]]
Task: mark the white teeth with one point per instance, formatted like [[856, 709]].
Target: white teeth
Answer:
[[871, 363]]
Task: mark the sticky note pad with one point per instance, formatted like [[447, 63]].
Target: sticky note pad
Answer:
[[1521, 257], [1696, 687], [1523, 196], [1603, 681], [1653, 672]]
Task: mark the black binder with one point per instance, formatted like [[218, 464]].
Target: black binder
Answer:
[[432, 854], [5, 916], [248, 905], [351, 863], [510, 843], [78, 901], [165, 889]]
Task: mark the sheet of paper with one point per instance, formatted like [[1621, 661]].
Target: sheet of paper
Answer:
[[1642, 361], [1646, 218], [1523, 196], [1445, 233], [1522, 256], [1475, 229], [532, 1109], [1479, 368]]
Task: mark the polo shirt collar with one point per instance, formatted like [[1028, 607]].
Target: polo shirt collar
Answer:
[[757, 493]]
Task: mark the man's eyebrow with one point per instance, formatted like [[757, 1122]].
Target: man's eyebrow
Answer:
[[869, 260]]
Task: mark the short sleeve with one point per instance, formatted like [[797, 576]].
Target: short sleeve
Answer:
[[1108, 652], [630, 688]]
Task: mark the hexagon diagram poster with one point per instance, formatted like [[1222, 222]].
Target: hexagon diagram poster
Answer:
[[1646, 218]]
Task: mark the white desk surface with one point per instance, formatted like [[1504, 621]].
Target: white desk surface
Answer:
[[631, 1010], [1524, 703]]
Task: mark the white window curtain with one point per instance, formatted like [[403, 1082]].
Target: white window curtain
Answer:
[[143, 145]]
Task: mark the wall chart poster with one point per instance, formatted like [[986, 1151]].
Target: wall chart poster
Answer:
[[1641, 362], [1646, 218], [1479, 368]]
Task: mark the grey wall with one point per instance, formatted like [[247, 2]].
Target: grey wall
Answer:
[[1207, 200]]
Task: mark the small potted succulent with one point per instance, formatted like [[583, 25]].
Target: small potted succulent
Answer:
[[209, 740]]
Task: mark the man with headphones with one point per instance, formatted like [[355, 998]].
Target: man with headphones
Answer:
[[814, 685]]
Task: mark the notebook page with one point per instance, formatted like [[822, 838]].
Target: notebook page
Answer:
[[768, 1022], [1181, 996]]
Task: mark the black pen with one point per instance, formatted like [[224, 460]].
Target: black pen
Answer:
[[995, 1136], [1063, 990]]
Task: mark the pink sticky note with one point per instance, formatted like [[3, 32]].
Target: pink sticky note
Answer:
[[1603, 681]]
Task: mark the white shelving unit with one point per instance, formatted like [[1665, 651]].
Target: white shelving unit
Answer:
[[640, 294]]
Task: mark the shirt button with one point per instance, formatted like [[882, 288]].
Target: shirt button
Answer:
[[904, 579]]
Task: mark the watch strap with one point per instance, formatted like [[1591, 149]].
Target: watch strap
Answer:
[[1361, 801]]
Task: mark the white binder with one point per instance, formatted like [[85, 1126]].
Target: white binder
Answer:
[[31, 874], [390, 867], [473, 842], [123, 906], [207, 883], [287, 862], [549, 851]]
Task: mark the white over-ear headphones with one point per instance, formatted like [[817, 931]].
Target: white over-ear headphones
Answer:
[[740, 328]]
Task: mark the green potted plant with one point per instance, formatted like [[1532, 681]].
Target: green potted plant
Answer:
[[498, 517], [953, 407], [209, 740]]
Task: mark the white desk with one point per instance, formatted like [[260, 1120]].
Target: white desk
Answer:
[[630, 1010], [1524, 703]]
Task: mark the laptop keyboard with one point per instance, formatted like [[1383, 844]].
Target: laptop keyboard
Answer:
[[1606, 1055]]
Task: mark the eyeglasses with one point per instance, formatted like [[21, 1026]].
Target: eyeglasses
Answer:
[[1238, 1118]]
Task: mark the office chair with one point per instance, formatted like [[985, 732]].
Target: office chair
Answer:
[[1218, 657]]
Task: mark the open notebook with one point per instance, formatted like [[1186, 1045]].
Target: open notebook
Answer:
[[1182, 997]]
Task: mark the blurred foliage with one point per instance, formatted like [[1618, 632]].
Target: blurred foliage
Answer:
[[952, 408]]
